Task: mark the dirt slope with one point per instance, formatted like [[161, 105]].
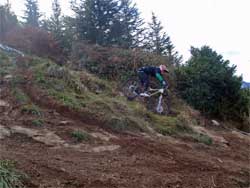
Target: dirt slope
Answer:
[[49, 155]]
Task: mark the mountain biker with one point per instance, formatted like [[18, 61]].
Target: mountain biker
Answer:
[[145, 72]]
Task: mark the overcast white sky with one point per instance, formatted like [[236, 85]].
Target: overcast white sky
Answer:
[[224, 25]]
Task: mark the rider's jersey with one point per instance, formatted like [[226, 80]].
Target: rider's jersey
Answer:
[[154, 72]]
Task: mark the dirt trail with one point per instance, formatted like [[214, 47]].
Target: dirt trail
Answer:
[[52, 159]]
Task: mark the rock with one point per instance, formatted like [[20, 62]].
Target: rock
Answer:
[[46, 137], [215, 123], [8, 77], [4, 132], [3, 104], [63, 123], [105, 148]]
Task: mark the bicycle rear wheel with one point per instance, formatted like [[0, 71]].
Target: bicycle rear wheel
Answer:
[[131, 87]]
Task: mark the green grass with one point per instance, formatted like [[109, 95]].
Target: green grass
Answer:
[[167, 125], [31, 109], [80, 136], [9, 177], [37, 122], [105, 105]]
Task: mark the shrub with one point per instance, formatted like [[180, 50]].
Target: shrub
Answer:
[[35, 41], [208, 83]]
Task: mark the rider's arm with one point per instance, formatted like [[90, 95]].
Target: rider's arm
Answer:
[[161, 79]]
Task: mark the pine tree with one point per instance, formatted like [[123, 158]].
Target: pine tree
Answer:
[[56, 25], [173, 56], [32, 14], [94, 19], [157, 40], [128, 28], [8, 20]]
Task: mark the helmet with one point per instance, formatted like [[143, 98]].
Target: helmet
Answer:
[[163, 68]]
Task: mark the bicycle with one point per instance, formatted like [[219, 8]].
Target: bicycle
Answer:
[[132, 89]]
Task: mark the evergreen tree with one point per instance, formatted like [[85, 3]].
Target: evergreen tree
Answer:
[[94, 19], [32, 14], [208, 83], [55, 20], [54, 23], [157, 40], [127, 30], [69, 34], [173, 56], [8, 20]]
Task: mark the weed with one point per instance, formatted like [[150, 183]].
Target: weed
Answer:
[[80, 136], [31, 109], [37, 122], [9, 177]]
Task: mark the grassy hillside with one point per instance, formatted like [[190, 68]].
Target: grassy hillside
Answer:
[[90, 98]]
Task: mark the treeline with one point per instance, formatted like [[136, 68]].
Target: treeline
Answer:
[[109, 23]]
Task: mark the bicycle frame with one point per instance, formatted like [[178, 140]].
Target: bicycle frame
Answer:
[[154, 92]]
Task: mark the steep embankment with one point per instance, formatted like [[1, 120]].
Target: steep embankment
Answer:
[[69, 129]]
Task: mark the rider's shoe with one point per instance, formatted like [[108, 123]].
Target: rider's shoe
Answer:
[[144, 94]]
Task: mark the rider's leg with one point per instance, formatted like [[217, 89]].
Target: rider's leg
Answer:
[[144, 79]]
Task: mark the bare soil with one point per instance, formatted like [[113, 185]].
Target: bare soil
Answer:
[[52, 158]]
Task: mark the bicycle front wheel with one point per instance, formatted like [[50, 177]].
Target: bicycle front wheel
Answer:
[[131, 87]]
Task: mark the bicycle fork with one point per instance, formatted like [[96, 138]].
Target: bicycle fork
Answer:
[[159, 107]]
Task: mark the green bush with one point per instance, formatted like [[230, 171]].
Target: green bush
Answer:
[[209, 84]]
